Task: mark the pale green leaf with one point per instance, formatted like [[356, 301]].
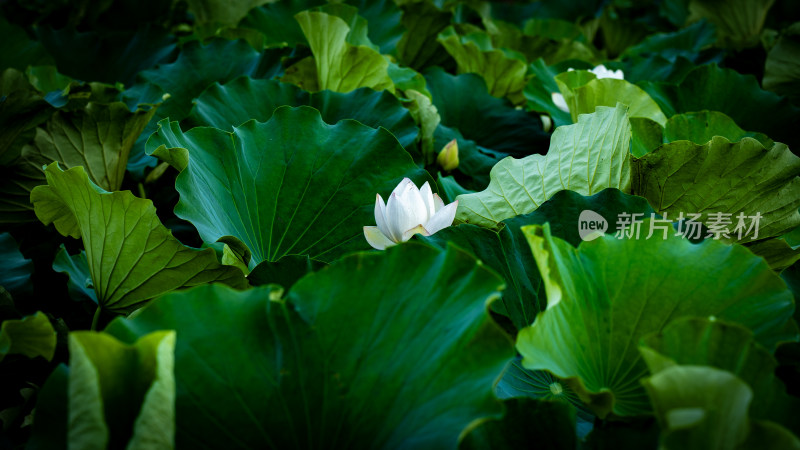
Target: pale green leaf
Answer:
[[30, 336], [132, 257], [586, 157], [504, 74], [121, 395], [608, 293]]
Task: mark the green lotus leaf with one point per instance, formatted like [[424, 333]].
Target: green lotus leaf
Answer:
[[538, 91], [550, 39], [22, 108], [107, 56], [646, 136], [608, 293], [527, 423], [427, 116], [196, 68], [98, 137], [778, 253], [701, 407], [569, 80], [234, 103], [656, 68], [16, 182], [131, 255], [47, 79], [584, 93], [486, 128], [385, 22], [275, 21], [792, 278], [121, 395], [209, 15], [413, 366], [342, 66], [285, 271], [474, 53], [726, 346], [76, 267], [15, 269], [567, 11], [620, 31], [407, 79], [20, 51], [687, 43], [518, 383], [50, 427], [30, 336], [419, 47], [700, 127], [491, 122], [358, 33], [474, 161], [740, 97], [505, 250], [738, 22], [303, 74], [324, 198], [449, 188], [782, 68], [586, 157], [553, 29], [720, 178]]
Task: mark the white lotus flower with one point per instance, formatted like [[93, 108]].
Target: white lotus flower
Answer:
[[559, 101], [600, 72], [409, 211]]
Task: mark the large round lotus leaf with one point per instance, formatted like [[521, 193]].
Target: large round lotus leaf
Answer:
[[504, 71], [701, 126], [527, 423], [702, 407], [232, 104], [110, 57], [489, 121], [291, 185], [713, 88], [342, 65], [726, 346], [583, 93], [585, 157], [275, 21], [131, 256], [782, 68], [506, 250], [486, 128], [380, 350], [197, 67], [15, 269], [608, 293], [742, 191]]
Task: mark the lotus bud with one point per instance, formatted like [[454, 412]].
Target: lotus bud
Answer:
[[559, 101], [448, 157], [547, 122], [409, 211]]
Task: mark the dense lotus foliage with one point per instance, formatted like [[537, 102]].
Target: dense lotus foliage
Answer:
[[427, 224]]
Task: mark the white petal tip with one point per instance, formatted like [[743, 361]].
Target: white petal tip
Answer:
[[377, 239]]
